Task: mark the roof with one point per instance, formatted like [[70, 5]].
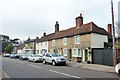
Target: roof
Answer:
[[21, 46], [84, 29]]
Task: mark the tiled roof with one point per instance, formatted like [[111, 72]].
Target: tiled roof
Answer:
[[84, 29], [21, 46]]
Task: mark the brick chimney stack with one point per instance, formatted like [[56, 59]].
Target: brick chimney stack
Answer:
[[56, 27], [79, 21], [110, 29], [44, 34]]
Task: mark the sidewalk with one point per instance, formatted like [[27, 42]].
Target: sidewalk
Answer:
[[91, 66]]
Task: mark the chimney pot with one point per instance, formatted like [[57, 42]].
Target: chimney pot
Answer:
[[56, 27], [44, 34]]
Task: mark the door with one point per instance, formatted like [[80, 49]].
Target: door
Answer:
[[70, 54], [86, 55]]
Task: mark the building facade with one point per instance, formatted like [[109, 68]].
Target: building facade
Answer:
[[76, 43]]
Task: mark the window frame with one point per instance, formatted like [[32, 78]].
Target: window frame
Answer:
[[64, 41], [77, 36], [76, 53], [64, 51], [53, 42]]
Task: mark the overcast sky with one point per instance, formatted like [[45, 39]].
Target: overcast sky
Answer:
[[24, 18]]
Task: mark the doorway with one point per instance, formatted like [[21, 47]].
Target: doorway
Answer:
[[86, 55], [70, 54]]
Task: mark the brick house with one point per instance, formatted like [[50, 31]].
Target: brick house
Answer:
[[77, 42]]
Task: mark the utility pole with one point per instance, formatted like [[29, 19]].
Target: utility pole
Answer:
[[113, 31]]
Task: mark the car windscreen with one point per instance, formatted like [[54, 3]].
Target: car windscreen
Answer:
[[55, 54], [36, 55]]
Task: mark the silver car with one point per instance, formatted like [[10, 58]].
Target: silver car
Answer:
[[54, 58], [34, 58]]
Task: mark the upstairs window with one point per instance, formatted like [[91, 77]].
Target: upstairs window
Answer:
[[77, 39], [64, 41], [53, 42]]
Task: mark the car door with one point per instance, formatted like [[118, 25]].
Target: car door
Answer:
[[47, 57]]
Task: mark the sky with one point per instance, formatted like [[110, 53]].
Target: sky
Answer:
[[31, 18]]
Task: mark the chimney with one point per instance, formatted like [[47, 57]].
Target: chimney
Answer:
[[110, 29], [79, 21], [44, 34], [56, 27]]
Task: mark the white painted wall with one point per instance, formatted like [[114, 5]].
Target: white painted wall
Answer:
[[97, 40], [40, 47]]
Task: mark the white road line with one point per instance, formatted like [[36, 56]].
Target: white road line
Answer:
[[35, 66], [65, 74], [4, 73]]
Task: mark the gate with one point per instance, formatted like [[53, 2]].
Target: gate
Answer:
[[102, 56]]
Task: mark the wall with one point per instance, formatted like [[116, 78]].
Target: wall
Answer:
[[40, 47], [97, 40]]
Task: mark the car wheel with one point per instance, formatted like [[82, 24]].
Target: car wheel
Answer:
[[44, 62], [119, 71], [33, 60], [53, 63]]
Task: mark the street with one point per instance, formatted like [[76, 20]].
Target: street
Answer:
[[15, 68]]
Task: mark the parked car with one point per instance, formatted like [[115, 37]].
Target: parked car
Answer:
[[54, 58], [35, 58], [6, 55], [16, 56], [117, 67], [23, 57], [12, 55]]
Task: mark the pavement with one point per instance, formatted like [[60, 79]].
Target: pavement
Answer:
[[95, 67]]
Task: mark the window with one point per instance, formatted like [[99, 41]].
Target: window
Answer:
[[53, 42], [37, 44], [75, 51], [46, 43], [77, 40], [41, 43], [79, 52], [37, 51], [64, 41], [65, 52]]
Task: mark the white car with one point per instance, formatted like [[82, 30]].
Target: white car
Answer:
[[34, 58], [54, 58], [117, 67]]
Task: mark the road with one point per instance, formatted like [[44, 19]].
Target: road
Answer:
[[15, 68]]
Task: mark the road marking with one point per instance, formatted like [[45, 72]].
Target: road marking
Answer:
[[4, 73], [65, 74], [35, 66]]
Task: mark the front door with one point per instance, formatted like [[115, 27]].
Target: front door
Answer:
[[70, 54], [86, 55]]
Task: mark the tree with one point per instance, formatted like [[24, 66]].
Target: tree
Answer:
[[9, 48], [118, 44], [4, 45]]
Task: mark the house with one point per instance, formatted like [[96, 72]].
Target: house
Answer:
[[30, 46], [77, 42], [21, 49], [41, 46]]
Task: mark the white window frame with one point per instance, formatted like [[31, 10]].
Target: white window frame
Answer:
[[76, 39], [80, 53], [46, 43], [76, 53], [65, 54], [53, 42], [64, 40], [41, 43]]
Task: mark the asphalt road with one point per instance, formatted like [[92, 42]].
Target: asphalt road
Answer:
[[15, 68]]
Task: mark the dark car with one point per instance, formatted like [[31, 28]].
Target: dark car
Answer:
[[16, 56], [23, 57]]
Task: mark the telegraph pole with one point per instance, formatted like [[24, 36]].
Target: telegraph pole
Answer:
[[113, 31]]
